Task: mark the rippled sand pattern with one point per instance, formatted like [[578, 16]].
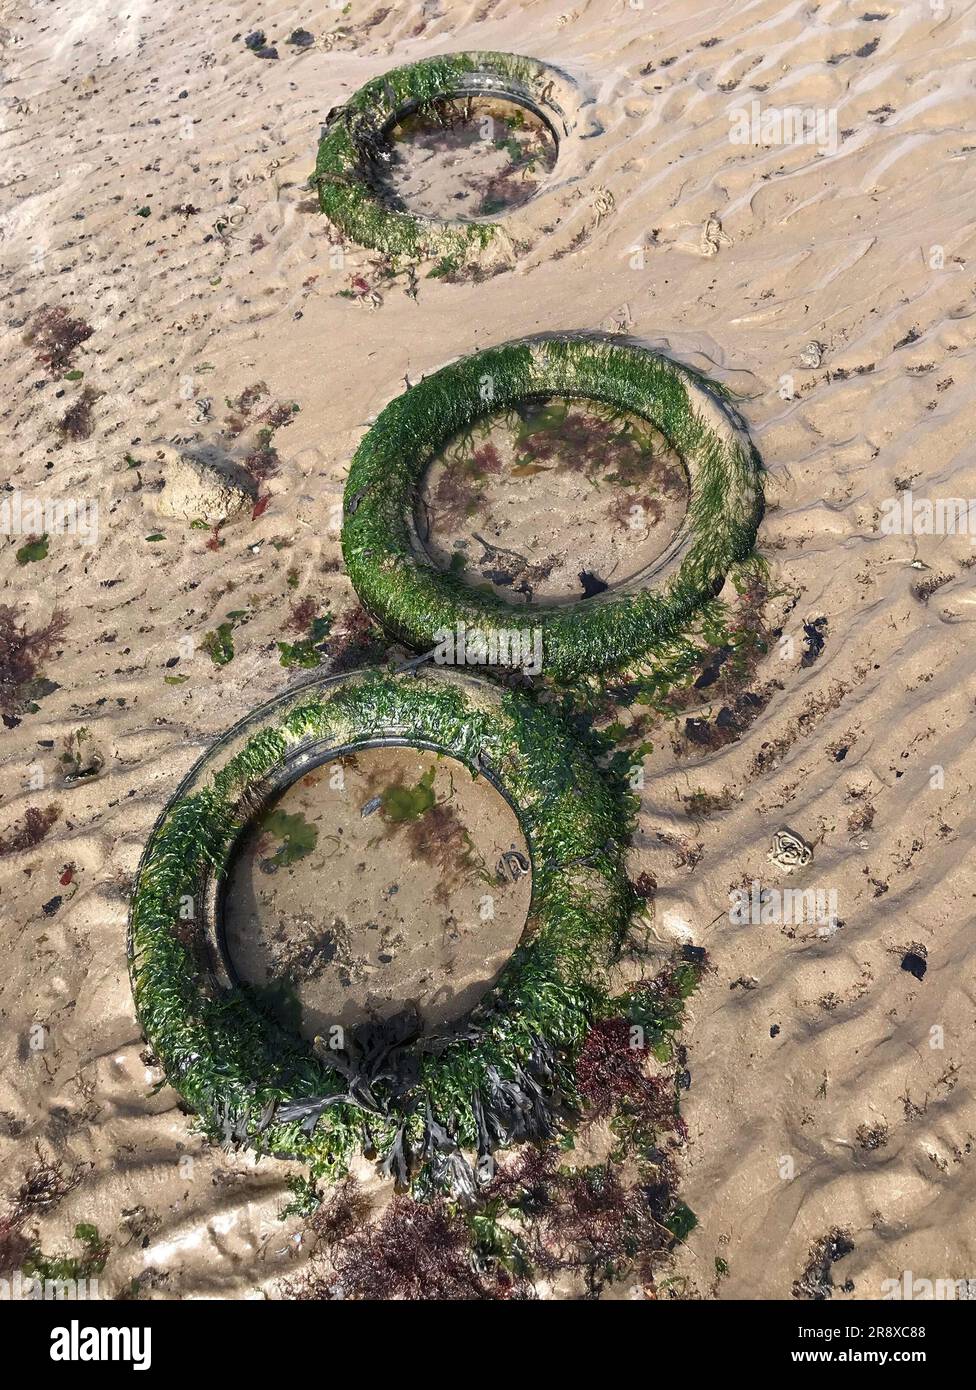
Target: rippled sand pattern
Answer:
[[154, 184]]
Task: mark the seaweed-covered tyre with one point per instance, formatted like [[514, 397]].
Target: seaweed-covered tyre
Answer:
[[424, 606], [350, 162], [493, 1079]]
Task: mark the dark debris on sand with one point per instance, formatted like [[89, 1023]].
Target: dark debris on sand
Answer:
[[816, 1281]]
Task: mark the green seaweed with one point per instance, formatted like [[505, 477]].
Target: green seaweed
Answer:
[[305, 1198], [58, 1268], [310, 651], [550, 416], [33, 550], [219, 645], [297, 837], [235, 1066], [616, 632], [682, 1222], [346, 166], [401, 804]]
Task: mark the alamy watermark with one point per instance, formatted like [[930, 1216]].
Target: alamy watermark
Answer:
[[784, 907], [756, 124], [31, 1287], [79, 1343], [908, 515], [471, 646], [36, 516], [909, 1287]]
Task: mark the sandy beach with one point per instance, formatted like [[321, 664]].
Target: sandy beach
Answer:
[[155, 190]]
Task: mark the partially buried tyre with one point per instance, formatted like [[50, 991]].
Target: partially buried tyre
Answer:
[[494, 1077], [423, 605], [357, 150]]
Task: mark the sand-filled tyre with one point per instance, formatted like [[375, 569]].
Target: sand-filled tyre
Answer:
[[494, 1078], [424, 606], [350, 161]]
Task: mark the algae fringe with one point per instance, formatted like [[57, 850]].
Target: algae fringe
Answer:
[[504, 1073], [414, 601], [351, 151]]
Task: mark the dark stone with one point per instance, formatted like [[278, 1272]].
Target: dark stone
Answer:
[[914, 964], [591, 584], [711, 672]]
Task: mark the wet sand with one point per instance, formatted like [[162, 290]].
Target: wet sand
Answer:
[[558, 501], [374, 884], [472, 159], [155, 180]]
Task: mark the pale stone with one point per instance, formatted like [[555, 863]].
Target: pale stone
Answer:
[[203, 487]]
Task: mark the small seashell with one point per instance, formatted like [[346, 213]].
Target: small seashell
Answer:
[[789, 851], [513, 864], [712, 236]]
